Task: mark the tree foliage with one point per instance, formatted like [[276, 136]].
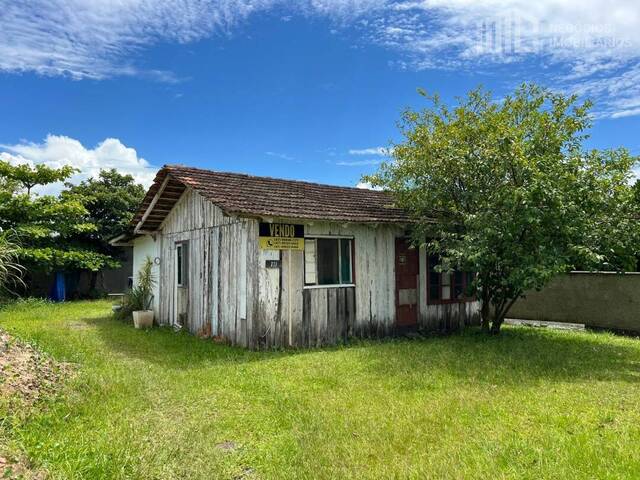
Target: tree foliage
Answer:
[[69, 231], [506, 189], [28, 176], [111, 200]]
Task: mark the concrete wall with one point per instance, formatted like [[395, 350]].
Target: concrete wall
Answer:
[[599, 299]]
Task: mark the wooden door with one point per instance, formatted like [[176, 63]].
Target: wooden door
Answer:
[[407, 270]]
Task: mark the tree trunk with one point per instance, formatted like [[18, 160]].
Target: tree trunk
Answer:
[[486, 321], [495, 325], [485, 312], [499, 317]]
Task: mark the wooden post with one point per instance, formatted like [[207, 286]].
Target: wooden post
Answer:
[[289, 288]]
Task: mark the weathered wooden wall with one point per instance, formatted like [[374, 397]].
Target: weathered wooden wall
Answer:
[[231, 294], [234, 285], [288, 314], [188, 221]]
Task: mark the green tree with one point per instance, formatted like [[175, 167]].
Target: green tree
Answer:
[[111, 200], [506, 189], [47, 227], [28, 177]]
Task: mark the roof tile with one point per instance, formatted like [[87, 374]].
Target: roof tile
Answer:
[[242, 194]]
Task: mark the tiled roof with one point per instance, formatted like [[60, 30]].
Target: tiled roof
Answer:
[[249, 195]]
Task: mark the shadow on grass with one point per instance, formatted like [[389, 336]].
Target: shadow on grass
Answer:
[[171, 349], [520, 355]]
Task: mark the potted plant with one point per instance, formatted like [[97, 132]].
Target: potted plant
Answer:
[[141, 296]]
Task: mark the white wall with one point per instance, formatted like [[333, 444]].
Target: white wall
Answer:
[[142, 247]]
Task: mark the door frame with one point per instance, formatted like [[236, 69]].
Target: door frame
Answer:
[[180, 305], [415, 253]]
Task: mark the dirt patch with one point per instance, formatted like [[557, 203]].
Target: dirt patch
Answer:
[[18, 469], [227, 446], [79, 325], [26, 374]]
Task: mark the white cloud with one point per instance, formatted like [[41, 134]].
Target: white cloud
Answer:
[[101, 38], [382, 151], [585, 45], [367, 186], [283, 156], [358, 163], [57, 151], [575, 45]]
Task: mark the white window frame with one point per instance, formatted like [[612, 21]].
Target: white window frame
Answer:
[[314, 238]]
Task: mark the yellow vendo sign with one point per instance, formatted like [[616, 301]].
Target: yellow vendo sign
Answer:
[[276, 243], [281, 236]]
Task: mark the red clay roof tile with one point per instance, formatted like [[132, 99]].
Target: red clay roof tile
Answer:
[[242, 194]]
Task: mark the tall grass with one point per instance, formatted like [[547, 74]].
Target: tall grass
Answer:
[[10, 270]]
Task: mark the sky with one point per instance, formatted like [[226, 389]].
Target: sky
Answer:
[[308, 89]]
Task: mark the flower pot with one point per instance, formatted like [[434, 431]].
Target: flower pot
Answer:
[[143, 319]]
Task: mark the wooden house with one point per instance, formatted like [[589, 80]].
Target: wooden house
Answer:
[[263, 262]]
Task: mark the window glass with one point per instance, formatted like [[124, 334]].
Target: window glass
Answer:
[[345, 261], [459, 290], [446, 285], [182, 263], [179, 263], [327, 259]]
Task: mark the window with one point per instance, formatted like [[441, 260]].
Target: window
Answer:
[[447, 287], [182, 264], [328, 261]]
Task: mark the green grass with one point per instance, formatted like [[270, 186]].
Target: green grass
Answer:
[[531, 403]]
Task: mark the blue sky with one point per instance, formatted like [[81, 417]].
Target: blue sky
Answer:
[[307, 90]]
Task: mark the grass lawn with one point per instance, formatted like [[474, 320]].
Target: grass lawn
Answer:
[[532, 403]]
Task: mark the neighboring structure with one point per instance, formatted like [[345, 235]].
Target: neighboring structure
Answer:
[[263, 262], [605, 300], [77, 284]]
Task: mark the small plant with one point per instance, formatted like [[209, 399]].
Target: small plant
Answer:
[[146, 283], [140, 296]]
